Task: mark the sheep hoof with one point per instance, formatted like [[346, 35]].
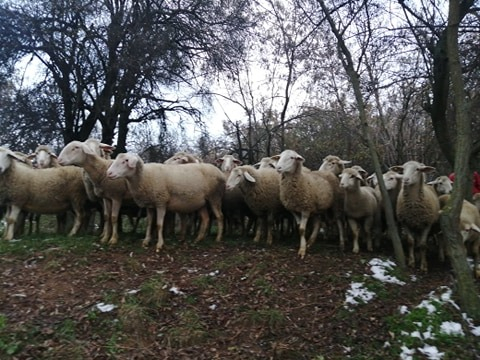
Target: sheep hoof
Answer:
[[301, 253], [355, 250]]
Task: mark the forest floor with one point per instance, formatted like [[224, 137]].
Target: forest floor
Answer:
[[76, 299]]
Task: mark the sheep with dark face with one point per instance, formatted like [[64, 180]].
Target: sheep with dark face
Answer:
[[306, 194], [417, 208], [361, 206], [182, 189]]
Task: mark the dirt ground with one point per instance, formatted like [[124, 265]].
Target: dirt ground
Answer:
[[234, 300]]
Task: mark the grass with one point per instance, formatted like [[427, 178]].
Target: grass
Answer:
[[153, 316]]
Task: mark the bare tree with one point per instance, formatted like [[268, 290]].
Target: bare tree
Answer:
[[118, 62]]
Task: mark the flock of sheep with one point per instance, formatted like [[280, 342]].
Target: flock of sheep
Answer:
[[83, 176]]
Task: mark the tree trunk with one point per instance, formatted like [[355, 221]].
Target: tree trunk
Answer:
[[469, 299], [347, 62]]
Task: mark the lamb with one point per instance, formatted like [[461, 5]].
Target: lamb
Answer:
[[469, 226], [360, 205], [182, 189], [45, 191], [417, 208], [306, 194], [112, 192], [442, 185], [182, 158], [261, 191], [43, 157]]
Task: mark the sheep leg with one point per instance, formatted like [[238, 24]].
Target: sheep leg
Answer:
[[217, 212], [270, 225], [78, 219], [423, 249], [258, 231], [204, 220], [341, 233], [367, 227], [114, 211], [411, 248], [476, 258], [107, 224], [160, 217], [315, 230], [301, 230], [148, 231], [12, 215], [356, 234], [183, 226]]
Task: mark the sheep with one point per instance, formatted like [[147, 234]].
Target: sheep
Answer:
[[306, 194], [442, 185], [360, 205], [182, 189], [469, 226], [334, 164], [235, 209], [112, 192], [417, 208], [45, 191], [266, 162], [182, 158], [43, 157], [261, 191], [227, 163]]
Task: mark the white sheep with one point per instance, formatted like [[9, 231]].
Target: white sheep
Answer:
[[469, 226], [112, 192], [261, 191], [182, 157], [227, 163], [43, 157], [417, 208], [360, 205], [334, 164], [306, 194], [442, 185], [181, 189], [266, 162], [43, 191]]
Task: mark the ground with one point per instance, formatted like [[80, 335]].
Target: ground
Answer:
[[230, 300]]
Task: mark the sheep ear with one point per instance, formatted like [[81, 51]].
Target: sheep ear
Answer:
[[299, 158], [238, 162], [397, 169], [249, 177], [345, 162], [433, 182], [275, 157], [219, 160], [426, 169], [107, 148]]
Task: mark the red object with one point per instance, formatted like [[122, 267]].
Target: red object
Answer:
[[476, 181]]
